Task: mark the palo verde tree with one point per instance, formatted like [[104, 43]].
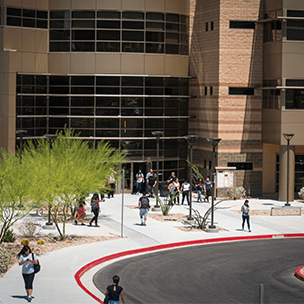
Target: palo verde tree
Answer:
[[69, 171], [15, 190]]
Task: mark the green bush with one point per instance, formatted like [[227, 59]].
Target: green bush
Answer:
[[9, 236], [5, 257]]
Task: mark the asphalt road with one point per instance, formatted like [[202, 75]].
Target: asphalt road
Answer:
[[216, 273]]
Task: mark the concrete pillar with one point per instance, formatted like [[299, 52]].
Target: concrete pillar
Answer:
[[283, 173]]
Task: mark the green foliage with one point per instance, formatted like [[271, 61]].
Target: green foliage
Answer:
[[5, 257], [167, 203], [9, 236], [301, 193], [200, 221], [65, 174]]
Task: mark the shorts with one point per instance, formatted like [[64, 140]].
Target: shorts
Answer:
[[143, 212]]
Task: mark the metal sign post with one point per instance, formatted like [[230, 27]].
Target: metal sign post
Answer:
[[122, 200]]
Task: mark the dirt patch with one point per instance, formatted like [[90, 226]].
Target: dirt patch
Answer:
[[51, 244], [274, 212], [132, 207], [194, 229], [171, 217]]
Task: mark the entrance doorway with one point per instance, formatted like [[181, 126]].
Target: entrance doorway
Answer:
[[131, 169]]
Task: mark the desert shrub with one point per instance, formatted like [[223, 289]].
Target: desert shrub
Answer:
[[5, 257], [40, 242], [301, 193], [9, 236], [237, 192], [25, 242], [27, 228]]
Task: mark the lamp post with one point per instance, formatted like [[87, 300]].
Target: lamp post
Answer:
[[190, 139], [21, 134], [288, 137], [157, 135], [50, 137], [213, 142]]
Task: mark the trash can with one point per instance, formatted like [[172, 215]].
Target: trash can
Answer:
[[163, 188]]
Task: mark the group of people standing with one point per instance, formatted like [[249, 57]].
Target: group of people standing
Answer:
[[150, 180]]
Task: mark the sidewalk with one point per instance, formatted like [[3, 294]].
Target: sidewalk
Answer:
[[56, 283]]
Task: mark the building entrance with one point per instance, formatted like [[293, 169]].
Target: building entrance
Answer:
[[131, 169]]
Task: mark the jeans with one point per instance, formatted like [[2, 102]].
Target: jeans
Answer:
[[245, 218], [185, 195], [199, 193], [95, 218], [138, 187]]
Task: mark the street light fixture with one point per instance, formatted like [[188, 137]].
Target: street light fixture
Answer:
[[50, 137], [288, 137], [157, 135], [213, 142], [190, 139], [21, 134]]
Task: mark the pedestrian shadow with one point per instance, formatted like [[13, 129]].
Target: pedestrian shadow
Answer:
[[238, 230], [20, 297]]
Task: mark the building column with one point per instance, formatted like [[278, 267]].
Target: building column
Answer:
[[283, 173]]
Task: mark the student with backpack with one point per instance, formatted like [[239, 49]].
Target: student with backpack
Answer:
[[95, 209], [144, 207]]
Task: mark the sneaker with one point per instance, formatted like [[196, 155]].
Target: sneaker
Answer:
[[249, 231], [75, 222], [29, 299], [144, 224]]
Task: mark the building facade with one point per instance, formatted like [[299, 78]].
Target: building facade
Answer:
[[112, 70]]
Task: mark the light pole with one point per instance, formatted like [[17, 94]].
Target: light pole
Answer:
[[21, 134], [157, 135], [288, 137], [50, 137], [213, 142], [190, 139]]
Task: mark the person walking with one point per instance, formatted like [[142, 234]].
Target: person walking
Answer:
[[174, 190], [81, 212], [111, 184], [27, 260], [147, 178], [95, 209], [199, 188], [245, 215], [185, 192], [207, 188], [144, 206], [114, 291], [151, 184], [139, 181]]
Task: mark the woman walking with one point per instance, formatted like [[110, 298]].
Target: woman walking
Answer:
[[245, 215], [95, 209], [199, 187], [27, 260], [114, 291]]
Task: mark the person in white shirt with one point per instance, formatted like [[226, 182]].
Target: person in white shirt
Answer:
[[139, 181], [27, 260], [185, 192]]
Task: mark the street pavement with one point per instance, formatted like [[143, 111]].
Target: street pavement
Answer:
[[56, 283]]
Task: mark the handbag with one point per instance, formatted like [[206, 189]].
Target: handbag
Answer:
[[36, 267], [107, 299]]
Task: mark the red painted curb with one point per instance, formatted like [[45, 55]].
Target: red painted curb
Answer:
[[93, 264], [298, 273]]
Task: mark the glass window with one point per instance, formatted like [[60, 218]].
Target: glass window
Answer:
[[133, 15], [60, 35], [82, 111], [107, 90], [28, 79], [108, 14], [13, 21], [108, 47], [172, 38], [154, 81], [60, 46], [13, 11], [82, 90], [82, 123], [83, 35], [28, 22], [154, 48], [132, 102], [132, 123], [28, 13], [83, 14], [108, 35], [107, 133], [58, 122], [107, 102], [132, 36], [59, 111], [107, 112], [58, 101], [131, 133], [82, 80], [154, 123], [60, 14], [172, 27], [41, 101], [295, 34], [132, 25], [28, 101], [108, 24], [155, 36], [172, 17], [155, 26], [108, 80], [154, 91], [59, 80], [60, 24], [236, 24], [154, 102], [132, 91], [294, 13], [83, 24], [131, 112], [241, 91], [42, 24], [172, 49], [133, 47], [154, 112], [132, 81], [105, 123], [42, 14], [155, 16]]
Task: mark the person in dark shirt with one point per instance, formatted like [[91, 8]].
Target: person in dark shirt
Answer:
[[207, 187], [199, 187], [114, 291], [151, 184], [144, 207], [171, 178]]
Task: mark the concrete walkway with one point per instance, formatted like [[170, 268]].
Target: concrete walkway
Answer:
[[56, 283]]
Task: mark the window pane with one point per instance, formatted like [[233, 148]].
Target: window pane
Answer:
[[13, 11], [59, 101], [82, 80], [294, 13], [28, 13], [83, 14], [172, 17], [13, 21], [60, 24], [60, 46], [132, 81], [295, 34], [154, 81], [42, 24], [28, 23], [241, 91], [172, 38], [108, 47], [184, 19], [82, 123], [107, 133], [172, 27], [131, 112], [28, 101], [58, 122], [82, 111], [156, 26], [155, 16], [172, 49], [59, 90], [60, 35], [132, 36], [132, 25], [28, 79], [132, 91], [154, 91], [83, 23], [107, 102], [105, 90], [154, 112], [108, 14], [41, 101], [154, 36], [132, 15], [235, 24], [60, 14], [153, 123], [107, 112], [42, 14], [83, 35], [82, 90], [103, 123], [154, 48], [105, 80], [133, 47], [108, 24], [59, 111], [59, 80], [154, 102], [108, 35]]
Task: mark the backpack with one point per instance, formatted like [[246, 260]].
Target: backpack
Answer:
[[144, 203], [94, 204]]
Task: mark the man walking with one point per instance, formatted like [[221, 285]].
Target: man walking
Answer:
[[151, 184], [245, 215], [144, 207], [139, 181], [207, 188]]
